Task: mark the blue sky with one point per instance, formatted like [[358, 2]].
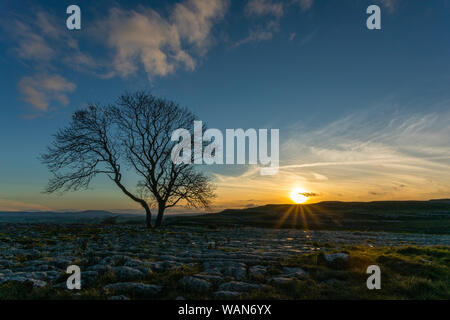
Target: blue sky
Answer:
[[363, 114]]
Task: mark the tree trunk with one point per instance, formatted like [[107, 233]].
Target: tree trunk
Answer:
[[159, 218], [148, 213], [148, 216]]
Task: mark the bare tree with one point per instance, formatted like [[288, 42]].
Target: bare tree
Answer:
[[133, 134]]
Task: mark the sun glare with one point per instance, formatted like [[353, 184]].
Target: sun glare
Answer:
[[297, 196]]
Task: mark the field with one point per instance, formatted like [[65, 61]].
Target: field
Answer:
[[429, 217], [258, 253]]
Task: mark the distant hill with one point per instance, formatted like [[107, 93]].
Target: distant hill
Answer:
[[431, 216], [89, 216], [391, 216]]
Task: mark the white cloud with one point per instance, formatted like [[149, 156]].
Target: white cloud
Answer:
[[138, 38], [194, 19], [161, 44], [41, 89]]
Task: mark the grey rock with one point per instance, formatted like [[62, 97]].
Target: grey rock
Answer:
[[34, 263], [62, 262], [158, 265], [38, 283], [174, 264], [238, 273], [257, 270], [221, 294], [293, 272], [61, 285], [134, 263], [43, 275], [209, 277], [281, 280], [8, 263], [331, 257], [89, 274], [213, 271], [195, 284], [167, 257], [238, 286], [88, 278], [135, 288], [100, 268], [127, 273], [23, 279], [121, 297], [145, 270], [334, 282], [45, 267], [6, 271], [115, 260]]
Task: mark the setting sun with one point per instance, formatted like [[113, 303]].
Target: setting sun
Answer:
[[297, 196]]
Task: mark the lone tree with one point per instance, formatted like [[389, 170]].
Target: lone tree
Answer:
[[134, 134]]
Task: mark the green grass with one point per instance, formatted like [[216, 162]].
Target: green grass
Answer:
[[406, 273]]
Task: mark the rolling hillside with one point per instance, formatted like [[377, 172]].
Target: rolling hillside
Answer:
[[391, 216]]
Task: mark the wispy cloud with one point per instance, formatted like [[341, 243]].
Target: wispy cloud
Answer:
[[391, 5], [305, 4], [359, 157], [270, 14], [39, 39], [43, 47], [264, 8], [41, 89], [308, 38], [31, 45], [255, 36]]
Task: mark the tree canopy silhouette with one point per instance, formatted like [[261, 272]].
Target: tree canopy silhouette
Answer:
[[132, 135]]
